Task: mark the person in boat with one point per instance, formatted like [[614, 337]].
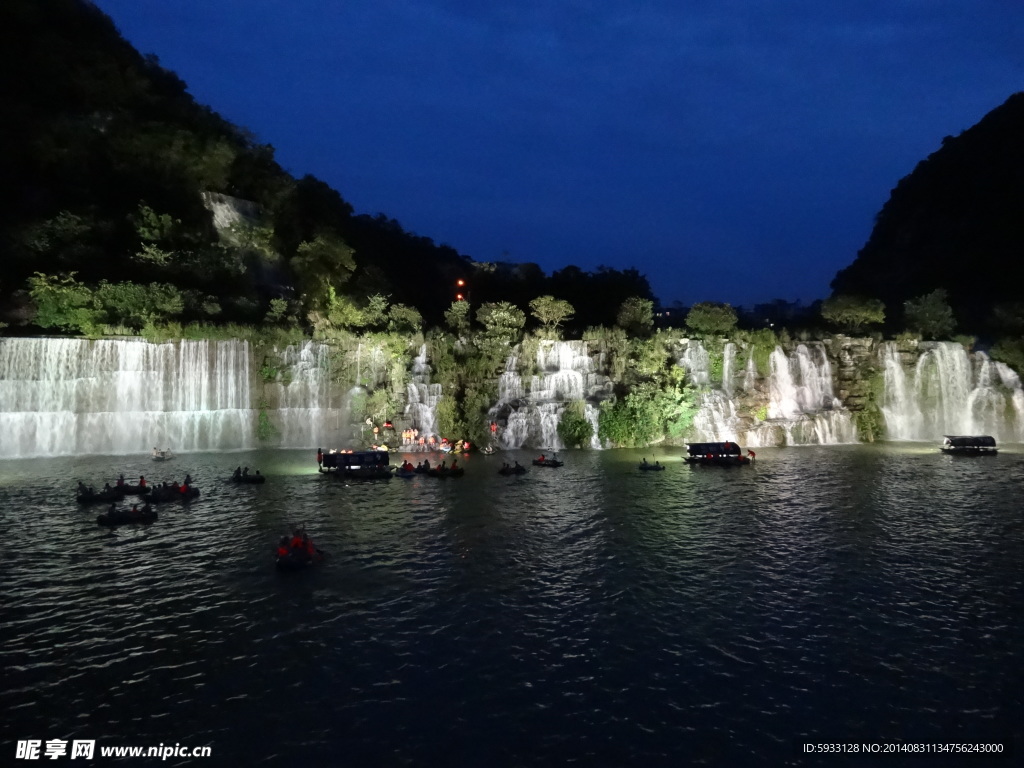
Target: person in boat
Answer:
[[113, 508], [750, 454], [282, 547], [443, 467], [142, 481], [237, 473], [188, 479], [455, 463], [135, 509], [245, 472], [107, 488], [426, 464], [120, 481], [147, 508], [319, 457], [644, 462], [258, 473], [82, 489], [657, 464], [517, 466], [155, 452], [542, 457]]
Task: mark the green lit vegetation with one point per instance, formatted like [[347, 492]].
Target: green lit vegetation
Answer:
[[573, 428]]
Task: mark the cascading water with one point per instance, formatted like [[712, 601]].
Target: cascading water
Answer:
[[422, 398], [61, 397], [950, 393], [801, 407], [567, 374], [802, 402], [305, 411]]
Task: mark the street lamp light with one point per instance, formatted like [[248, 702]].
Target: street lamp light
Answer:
[[460, 284]]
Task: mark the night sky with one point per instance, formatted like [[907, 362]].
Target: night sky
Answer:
[[731, 151]]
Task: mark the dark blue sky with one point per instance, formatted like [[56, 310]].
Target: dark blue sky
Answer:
[[730, 150]]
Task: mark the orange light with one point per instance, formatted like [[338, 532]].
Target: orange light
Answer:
[[458, 297], [460, 283]]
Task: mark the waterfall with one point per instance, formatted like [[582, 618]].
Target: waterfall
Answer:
[[305, 411], [950, 393], [802, 408], [422, 397], [566, 373], [728, 366], [802, 400], [61, 397]]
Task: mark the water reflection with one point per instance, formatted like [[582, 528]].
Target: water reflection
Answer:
[[591, 612]]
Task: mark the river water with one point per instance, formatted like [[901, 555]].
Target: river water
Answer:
[[589, 615]]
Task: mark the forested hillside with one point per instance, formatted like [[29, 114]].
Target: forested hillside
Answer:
[[105, 162], [956, 224]]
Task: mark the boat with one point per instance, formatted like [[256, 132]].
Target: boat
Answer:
[[725, 454], [488, 450], [173, 493], [518, 469], [969, 445], [545, 462], [356, 465], [655, 467], [104, 496], [134, 490], [405, 473], [256, 479], [164, 455], [126, 516], [297, 552]]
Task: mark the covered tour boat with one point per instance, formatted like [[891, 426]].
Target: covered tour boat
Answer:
[[969, 445], [725, 454], [356, 465]]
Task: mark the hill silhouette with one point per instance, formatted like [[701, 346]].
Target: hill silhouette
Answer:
[[956, 222], [105, 159]]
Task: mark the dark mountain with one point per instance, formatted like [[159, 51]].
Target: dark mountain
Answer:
[[105, 159], [956, 222]]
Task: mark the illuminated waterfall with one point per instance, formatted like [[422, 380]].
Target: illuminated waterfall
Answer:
[[950, 392], [61, 397], [422, 397], [801, 407], [307, 411], [567, 373]]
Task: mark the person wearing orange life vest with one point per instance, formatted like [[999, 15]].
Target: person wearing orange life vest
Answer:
[[142, 481], [282, 547]]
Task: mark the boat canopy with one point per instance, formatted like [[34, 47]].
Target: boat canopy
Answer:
[[356, 459], [970, 441], [715, 449]]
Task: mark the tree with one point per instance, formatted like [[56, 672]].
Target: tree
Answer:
[[852, 312], [711, 319], [375, 313], [457, 316], [321, 265], [551, 312], [403, 319], [63, 303], [930, 314], [636, 316], [501, 319]]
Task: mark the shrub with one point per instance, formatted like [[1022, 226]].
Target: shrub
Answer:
[[711, 319], [573, 428]]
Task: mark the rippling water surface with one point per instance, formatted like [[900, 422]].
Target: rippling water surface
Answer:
[[592, 614]]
